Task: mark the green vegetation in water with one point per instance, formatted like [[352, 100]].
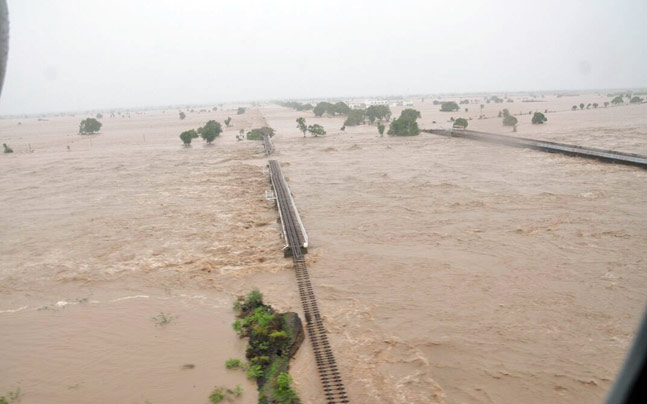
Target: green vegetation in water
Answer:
[[273, 339], [406, 124], [296, 105], [539, 118], [187, 136], [233, 363], [316, 130], [7, 149], [339, 108], [210, 131], [11, 397], [461, 123], [449, 106], [163, 319], [301, 125], [89, 126], [257, 134]]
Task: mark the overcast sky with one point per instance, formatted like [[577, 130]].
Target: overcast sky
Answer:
[[91, 54]]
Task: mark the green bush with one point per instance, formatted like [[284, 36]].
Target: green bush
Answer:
[[217, 395], [233, 363], [240, 110], [7, 149], [284, 392], [254, 372], [301, 124], [380, 128], [182, 115], [617, 100]]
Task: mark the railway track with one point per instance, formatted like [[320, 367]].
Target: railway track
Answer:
[[328, 371], [267, 145]]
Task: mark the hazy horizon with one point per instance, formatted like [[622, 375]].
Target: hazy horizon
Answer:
[[72, 56]]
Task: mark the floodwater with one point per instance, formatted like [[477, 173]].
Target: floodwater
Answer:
[[447, 270]]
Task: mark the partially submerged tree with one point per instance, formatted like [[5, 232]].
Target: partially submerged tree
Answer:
[[257, 134], [99, 115], [461, 123], [210, 131], [188, 136], [574, 108], [636, 100], [449, 106], [380, 128], [182, 115], [89, 126], [7, 149], [380, 112], [617, 100], [406, 124], [510, 121], [539, 118], [324, 107], [582, 105], [240, 110], [355, 117], [316, 130], [228, 121], [301, 124]]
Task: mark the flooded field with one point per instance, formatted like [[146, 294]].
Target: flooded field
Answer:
[[448, 270]]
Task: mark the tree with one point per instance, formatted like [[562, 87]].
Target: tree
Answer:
[[228, 121], [188, 136], [7, 149], [574, 108], [257, 134], [99, 115], [240, 111], [301, 124], [595, 105], [606, 104], [449, 106], [380, 128], [321, 108], [381, 112], [461, 123], [355, 117], [316, 130], [539, 118], [182, 115], [636, 100], [582, 105], [214, 109], [617, 100], [406, 124], [509, 120], [324, 107], [89, 126], [210, 130]]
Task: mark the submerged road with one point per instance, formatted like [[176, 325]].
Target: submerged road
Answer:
[[610, 156]]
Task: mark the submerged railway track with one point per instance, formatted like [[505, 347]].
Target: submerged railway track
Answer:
[[295, 236]]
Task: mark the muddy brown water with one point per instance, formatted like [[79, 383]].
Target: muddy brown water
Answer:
[[448, 270]]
